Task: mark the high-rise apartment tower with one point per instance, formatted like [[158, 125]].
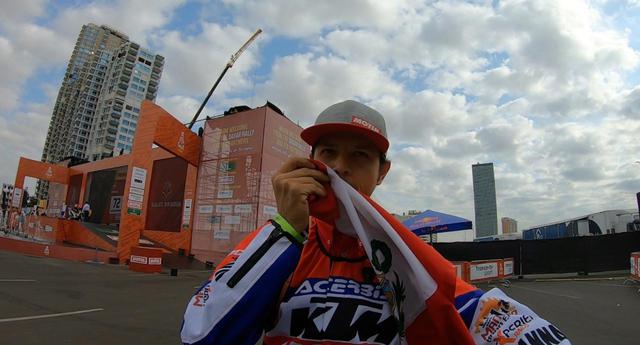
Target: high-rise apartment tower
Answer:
[[484, 200], [106, 75], [97, 108], [509, 225]]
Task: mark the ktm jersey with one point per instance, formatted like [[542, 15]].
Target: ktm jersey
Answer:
[[273, 290]]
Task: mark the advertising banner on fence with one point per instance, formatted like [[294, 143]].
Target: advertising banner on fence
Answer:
[[507, 265], [484, 270]]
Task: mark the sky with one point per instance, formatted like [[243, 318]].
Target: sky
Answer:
[[549, 91]]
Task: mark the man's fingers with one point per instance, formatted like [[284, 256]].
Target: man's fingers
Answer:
[[313, 187], [304, 185]]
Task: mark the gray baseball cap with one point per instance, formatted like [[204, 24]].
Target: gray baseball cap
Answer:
[[349, 116]]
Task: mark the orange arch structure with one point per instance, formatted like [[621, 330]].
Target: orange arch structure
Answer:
[[155, 127]]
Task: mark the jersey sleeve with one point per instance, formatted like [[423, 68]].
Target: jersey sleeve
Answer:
[[234, 305], [492, 317]]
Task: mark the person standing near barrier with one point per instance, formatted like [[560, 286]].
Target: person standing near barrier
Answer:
[[21, 219], [86, 211], [3, 210], [304, 279]]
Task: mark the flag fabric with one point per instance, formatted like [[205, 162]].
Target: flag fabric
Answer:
[[418, 281]]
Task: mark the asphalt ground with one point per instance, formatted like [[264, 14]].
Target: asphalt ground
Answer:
[[118, 306], [588, 311], [50, 301]]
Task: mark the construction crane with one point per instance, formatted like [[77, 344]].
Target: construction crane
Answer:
[[233, 59]]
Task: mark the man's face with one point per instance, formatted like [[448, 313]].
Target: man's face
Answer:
[[354, 158]]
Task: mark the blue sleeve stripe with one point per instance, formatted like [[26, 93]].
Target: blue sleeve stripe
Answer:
[[466, 305], [243, 323]]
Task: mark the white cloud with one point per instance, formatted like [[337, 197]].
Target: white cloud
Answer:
[[303, 84], [541, 88], [193, 63], [307, 18], [138, 18], [22, 135]]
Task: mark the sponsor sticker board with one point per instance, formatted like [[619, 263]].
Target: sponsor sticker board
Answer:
[[136, 191], [17, 197], [116, 204], [508, 267], [139, 178], [186, 214]]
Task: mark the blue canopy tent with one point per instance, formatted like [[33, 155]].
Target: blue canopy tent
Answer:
[[431, 222]]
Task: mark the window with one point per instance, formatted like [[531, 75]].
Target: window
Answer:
[[146, 55], [142, 68]]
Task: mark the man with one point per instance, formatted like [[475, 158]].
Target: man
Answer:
[[301, 280], [86, 211]]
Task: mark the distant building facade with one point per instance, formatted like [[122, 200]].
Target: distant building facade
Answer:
[[599, 223], [106, 75], [509, 225], [484, 200], [133, 76]]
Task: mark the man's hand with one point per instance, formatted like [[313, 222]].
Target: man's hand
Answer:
[[293, 184]]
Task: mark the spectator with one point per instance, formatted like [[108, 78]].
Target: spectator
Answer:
[[21, 219], [74, 212], [86, 211]]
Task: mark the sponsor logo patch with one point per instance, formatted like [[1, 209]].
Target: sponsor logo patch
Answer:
[[362, 123], [338, 309], [494, 313], [546, 335], [200, 299]]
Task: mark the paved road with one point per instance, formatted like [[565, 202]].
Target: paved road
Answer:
[[122, 307], [587, 311], [136, 308]]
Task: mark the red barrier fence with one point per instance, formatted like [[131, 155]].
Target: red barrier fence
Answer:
[[146, 259], [485, 270]]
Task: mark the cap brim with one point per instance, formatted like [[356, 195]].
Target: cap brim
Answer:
[[311, 134]]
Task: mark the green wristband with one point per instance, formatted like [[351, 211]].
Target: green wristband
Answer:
[[286, 227]]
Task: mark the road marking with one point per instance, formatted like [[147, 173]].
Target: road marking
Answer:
[[50, 315], [544, 292], [618, 285], [16, 280]]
